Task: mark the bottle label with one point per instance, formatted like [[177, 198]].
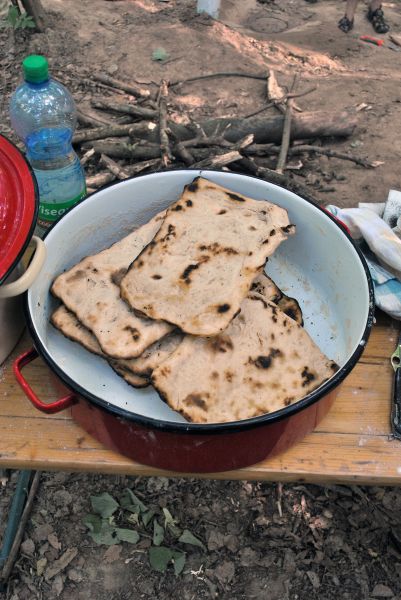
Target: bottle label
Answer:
[[49, 212]]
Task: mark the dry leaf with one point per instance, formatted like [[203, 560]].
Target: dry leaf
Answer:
[[61, 563], [112, 554], [40, 566], [53, 541]]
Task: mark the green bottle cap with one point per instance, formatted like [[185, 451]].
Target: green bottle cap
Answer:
[[35, 68]]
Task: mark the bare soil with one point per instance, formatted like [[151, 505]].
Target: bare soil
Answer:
[[262, 540]]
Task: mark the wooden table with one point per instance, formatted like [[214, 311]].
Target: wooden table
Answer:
[[352, 444]]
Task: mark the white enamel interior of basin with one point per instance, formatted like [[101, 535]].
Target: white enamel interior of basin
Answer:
[[318, 265]]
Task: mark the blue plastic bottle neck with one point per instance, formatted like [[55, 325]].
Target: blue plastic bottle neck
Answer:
[[36, 86]]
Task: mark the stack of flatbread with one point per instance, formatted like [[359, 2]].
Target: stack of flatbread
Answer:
[[183, 303]]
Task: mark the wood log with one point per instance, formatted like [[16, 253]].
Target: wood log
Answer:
[[128, 109], [130, 88], [270, 129], [139, 151], [265, 129]]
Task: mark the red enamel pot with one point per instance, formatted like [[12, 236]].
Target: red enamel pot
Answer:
[[18, 212], [320, 266]]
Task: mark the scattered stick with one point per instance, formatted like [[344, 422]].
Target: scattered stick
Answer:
[[99, 133], [249, 165], [331, 153], [275, 92], [87, 156], [282, 100], [163, 126], [266, 149], [285, 140], [182, 153], [92, 120], [8, 565], [142, 166], [132, 89], [223, 74], [113, 167], [218, 161], [100, 179], [120, 150], [128, 109]]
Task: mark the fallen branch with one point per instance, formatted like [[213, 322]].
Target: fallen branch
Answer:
[[271, 176], [128, 109], [223, 74], [121, 85], [163, 126], [267, 129], [333, 154], [113, 167], [8, 565], [100, 179], [87, 156], [285, 140], [218, 161], [99, 133], [88, 118], [267, 149], [120, 150]]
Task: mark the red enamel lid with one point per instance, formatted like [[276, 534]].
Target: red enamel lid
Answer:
[[18, 206]]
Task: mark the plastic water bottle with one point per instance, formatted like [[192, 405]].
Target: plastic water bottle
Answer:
[[43, 115]]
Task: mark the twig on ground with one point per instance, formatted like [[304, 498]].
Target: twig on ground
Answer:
[[121, 107], [218, 161], [331, 153], [166, 154], [98, 180], [114, 167], [8, 565], [223, 74], [132, 89], [87, 156], [283, 99], [285, 141], [99, 133], [91, 120]]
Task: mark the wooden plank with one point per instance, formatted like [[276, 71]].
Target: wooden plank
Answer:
[[362, 407], [350, 445], [321, 457], [364, 402], [382, 341]]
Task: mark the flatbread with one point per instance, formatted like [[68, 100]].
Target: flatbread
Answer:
[[91, 291], [134, 380], [262, 362], [264, 285], [69, 325], [66, 322], [202, 261]]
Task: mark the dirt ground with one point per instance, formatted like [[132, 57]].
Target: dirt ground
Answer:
[[261, 540]]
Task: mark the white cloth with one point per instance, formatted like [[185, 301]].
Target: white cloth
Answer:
[[384, 258]]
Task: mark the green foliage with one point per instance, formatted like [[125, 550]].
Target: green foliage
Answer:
[[104, 530], [158, 533], [17, 20], [104, 505], [160, 557], [160, 55]]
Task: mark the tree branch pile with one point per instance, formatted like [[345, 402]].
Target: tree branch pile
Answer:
[[135, 130]]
